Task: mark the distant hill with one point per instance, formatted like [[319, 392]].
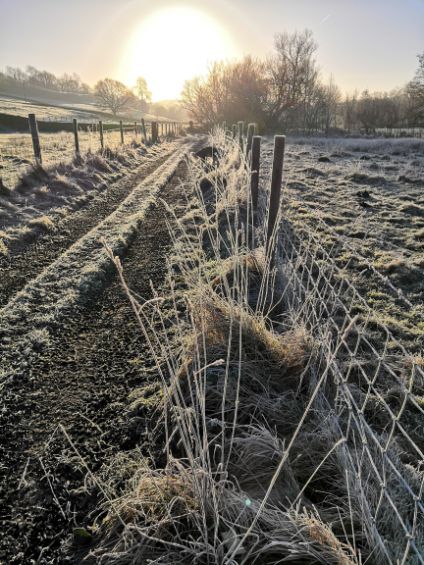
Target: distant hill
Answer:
[[19, 99]]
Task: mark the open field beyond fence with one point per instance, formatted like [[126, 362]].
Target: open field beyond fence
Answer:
[[17, 150]]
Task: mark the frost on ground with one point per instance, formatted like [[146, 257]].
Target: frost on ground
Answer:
[[270, 418], [46, 300], [365, 199], [46, 195], [285, 428]]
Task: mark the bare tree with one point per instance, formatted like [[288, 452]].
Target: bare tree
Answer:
[[143, 93], [230, 92], [293, 77], [70, 83], [196, 100], [112, 94], [331, 100], [350, 118], [415, 93], [16, 74]]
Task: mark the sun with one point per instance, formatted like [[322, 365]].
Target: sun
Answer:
[[173, 45]]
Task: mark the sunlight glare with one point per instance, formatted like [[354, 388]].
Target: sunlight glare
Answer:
[[173, 45]]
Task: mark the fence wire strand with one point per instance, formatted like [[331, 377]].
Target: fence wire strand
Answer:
[[384, 461]]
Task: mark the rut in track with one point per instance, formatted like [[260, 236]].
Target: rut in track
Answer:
[[32, 259], [95, 359]]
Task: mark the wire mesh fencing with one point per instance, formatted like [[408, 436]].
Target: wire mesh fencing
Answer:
[[374, 401], [369, 391], [361, 435]]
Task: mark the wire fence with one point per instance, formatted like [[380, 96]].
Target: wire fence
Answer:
[[374, 401], [18, 154], [370, 389]]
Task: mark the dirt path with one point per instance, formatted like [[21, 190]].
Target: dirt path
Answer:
[[80, 381], [23, 266]]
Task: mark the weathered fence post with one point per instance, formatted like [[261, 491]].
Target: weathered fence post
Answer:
[[154, 132], [33, 128], [255, 163], [135, 130], [121, 129], [234, 131], [102, 141], [77, 147], [275, 195], [255, 157], [240, 133], [143, 126], [250, 134]]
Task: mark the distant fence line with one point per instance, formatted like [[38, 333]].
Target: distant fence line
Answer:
[[400, 132], [395, 132], [149, 132], [18, 151]]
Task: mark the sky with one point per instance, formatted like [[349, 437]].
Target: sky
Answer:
[[364, 44]]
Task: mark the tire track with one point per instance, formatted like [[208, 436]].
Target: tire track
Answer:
[[80, 379], [23, 266]]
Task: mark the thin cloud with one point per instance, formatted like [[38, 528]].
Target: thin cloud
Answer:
[[327, 17]]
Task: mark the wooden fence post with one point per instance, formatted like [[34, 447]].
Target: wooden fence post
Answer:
[[154, 132], [240, 133], [33, 128], [135, 130], [77, 147], [102, 141], [143, 127], [250, 134], [275, 195], [255, 163], [121, 129]]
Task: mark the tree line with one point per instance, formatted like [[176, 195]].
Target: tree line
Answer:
[[286, 90], [44, 79]]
